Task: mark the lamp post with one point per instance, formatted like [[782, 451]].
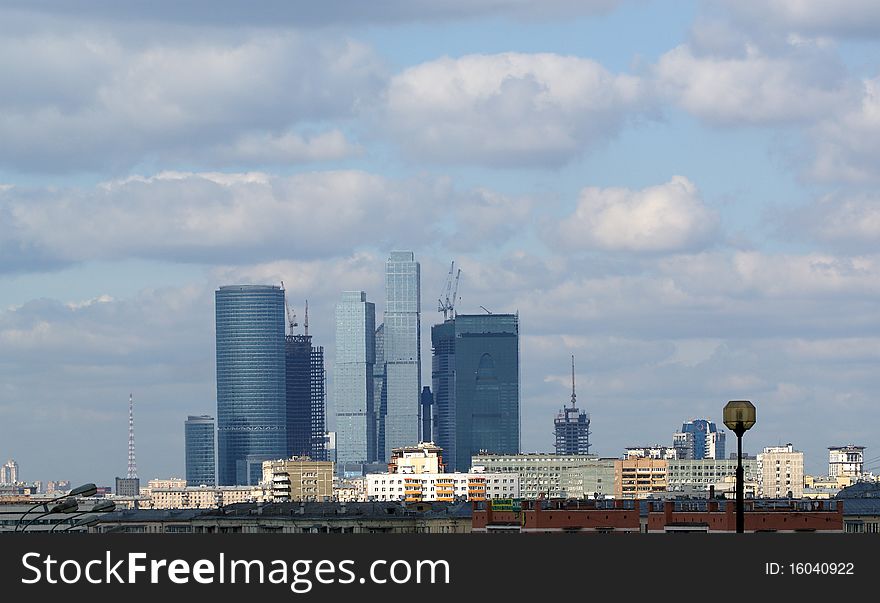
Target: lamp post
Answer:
[[104, 506], [84, 490], [68, 506], [739, 417]]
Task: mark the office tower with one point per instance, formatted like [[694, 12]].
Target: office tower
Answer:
[[251, 386], [699, 439], [475, 372], [379, 399], [781, 472], [9, 472], [427, 402], [130, 485], [846, 461], [402, 347], [572, 427], [199, 444], [353, 380], [304, 368]]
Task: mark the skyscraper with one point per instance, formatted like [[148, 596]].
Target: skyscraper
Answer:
[[699, 439], [402, 348], [9, 472], [475, 373], [572, 427], [304, 367], [379, 400], [199, 443], [251, 385], [353, 379]]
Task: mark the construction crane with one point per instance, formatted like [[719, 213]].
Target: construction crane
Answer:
[[446, 303], [291, 315]]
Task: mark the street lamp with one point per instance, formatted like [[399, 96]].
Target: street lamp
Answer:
[[84, 490], [68, 506], [105, 506], [739, 417]]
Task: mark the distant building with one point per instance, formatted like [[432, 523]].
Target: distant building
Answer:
[[9, 472], [425, 457], [380, 401], [356, 438], [427, 402], [719, 516], [128, 486], [475, 372], [824, 487], [539, 473], [781, 472], [639, 477], [656, 451], [306, 400], [299, 479], [403, 356], [251, 386], [199, 444], [571, 426], [696, 477], [175, 494], [442, 487], [699, 439], [593, 479], [848, 461], [557, 516]]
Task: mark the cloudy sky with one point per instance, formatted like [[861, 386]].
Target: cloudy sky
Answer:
[[682, 194]]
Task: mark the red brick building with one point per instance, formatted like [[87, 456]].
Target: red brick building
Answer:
[[714, 516], [558, 515]]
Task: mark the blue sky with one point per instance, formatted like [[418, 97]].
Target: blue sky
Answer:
[[682, 194]]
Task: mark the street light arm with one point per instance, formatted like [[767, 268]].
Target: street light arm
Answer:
[[84, 490]]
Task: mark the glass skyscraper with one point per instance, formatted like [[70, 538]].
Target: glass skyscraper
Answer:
[[402, 348], [251, 385], [699, 439], [353, 384], [304, 364], [199, 438], [475, 373]]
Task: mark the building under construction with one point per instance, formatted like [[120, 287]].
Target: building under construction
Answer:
[[304, 368], [571, 426]]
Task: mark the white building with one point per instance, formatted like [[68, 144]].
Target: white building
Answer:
[[656, 451], [415, 487], [781, 472], [9, 472], [846, 461]]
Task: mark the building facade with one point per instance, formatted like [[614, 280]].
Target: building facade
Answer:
[[651, 452], [353, 383], [475, 372], [423, 458], [306, 400], [251, 383], [698, 476], [403, 357], [699, 439], [298, 479], [538, 473], [639, 478], [846, 461], [441, 487], [199, 445], [594, 479], [781, 472], [571, 427], [9, 472]]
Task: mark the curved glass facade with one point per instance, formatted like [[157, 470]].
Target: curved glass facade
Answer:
[[251, 396]]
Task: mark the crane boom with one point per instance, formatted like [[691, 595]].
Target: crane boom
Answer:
[[291, 315]]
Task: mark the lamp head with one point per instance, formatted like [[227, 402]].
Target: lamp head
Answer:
[[67, 506], [84, 490], [739, 416]]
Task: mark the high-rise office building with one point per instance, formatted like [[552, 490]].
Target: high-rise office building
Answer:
[[9, 472], [304, 368], [251, 384], [699, 439], [846, 461], [427, 402], [402, 348], [571, 426], [353, 380], [475, 373], [379, 399], [199, 443]]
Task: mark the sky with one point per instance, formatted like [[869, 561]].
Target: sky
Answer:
[[682, 194]]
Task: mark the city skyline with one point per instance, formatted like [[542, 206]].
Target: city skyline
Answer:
[[683, 195]]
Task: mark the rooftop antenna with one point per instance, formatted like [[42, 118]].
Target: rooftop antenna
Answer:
[[132, 465], [306, 321], [573, 395]]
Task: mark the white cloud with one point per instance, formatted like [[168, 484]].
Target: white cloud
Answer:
[[509, 108], [858, 18], [745, 84], [89, 101], [663, 218], [218, 217], [847, 221]]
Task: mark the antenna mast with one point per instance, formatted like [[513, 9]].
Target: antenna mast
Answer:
[[132, 465], [573, 395], [306, 321]]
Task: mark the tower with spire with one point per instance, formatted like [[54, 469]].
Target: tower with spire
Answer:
[[129, 485], [571, 426]]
